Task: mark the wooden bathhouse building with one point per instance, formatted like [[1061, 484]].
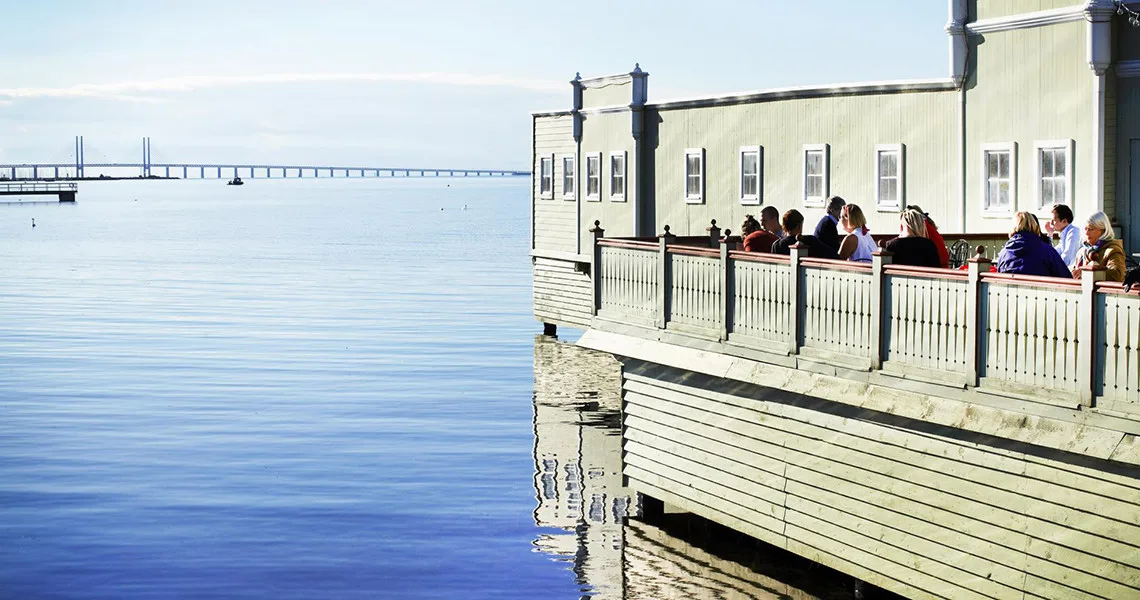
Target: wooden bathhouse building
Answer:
[[939, 433]]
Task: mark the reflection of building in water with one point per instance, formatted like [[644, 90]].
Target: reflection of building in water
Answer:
[[659, 565], [582, 504], [577, 454]]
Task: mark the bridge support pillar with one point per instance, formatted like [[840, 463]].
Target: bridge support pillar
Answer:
[[67, 196], [57, 172], [35, 172], [168, 172], [184, 169]]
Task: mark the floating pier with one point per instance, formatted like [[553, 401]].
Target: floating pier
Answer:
[[66, 191]]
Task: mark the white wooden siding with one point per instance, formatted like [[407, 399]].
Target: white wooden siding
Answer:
[[562, 296], [926, 323], [555, 219], [925, 513]]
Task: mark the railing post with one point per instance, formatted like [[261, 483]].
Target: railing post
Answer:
[[663, 277], [879, 296], [596, 267], [974, 327], [795, 254], [1086, 333], [714, 234], [726, 288]]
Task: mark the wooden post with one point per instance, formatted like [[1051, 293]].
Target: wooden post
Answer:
[[974, 314], [726, 288], [714, 234], [1086, 333], [733, 242], [796, 253], [879, 259], [663, 277], [596, 267]]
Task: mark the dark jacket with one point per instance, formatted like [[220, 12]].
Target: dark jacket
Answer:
[[827, 232], [1028, 254], [815, 249], [914, 251]]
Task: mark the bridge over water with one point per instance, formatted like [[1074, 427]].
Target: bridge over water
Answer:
[[222, 170]]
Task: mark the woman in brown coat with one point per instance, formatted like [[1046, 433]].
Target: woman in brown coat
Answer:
[[1101, 248]]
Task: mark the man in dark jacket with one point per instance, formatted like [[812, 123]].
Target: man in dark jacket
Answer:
[[826, 231], [793, 223]]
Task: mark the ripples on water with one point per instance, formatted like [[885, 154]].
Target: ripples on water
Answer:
[[302, 389]]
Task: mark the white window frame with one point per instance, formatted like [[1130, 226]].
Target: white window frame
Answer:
[[900, 200], [758, 197], [1038, 148], [572, 179], [826, 184], [586, 177], [546, 177], [618, 195], [699, 197], [987, 149]]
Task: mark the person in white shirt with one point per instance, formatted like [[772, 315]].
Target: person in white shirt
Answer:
[[1062, 224]]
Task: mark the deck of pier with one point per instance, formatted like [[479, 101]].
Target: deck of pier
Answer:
[[64, 190]]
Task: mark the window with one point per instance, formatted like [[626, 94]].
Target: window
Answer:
[[617, 176], [751, 177], [594, 176], [568, 177], [546, 177], [1054, 173], [817, 174], [999, 178], [695, 175], [890, 174]]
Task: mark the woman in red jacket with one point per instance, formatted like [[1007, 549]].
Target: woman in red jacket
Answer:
[[934, 236]]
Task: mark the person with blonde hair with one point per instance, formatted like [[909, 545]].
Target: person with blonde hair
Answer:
[[934, 235], [1027, 252], [912, 247], [1101, 248], [858, 244]]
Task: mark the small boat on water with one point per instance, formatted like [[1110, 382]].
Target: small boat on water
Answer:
[[235, 181]]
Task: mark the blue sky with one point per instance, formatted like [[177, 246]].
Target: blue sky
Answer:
[[448, 83]]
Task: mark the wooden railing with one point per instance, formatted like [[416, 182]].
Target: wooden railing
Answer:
[[1071, 343]]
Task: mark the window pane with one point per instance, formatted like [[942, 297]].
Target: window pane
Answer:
[[1047, 161], [814, 163], [692, 164], [888, 164], [748, 185], [992, 164], [693, 186], [1060, 158], [1003, 164], [748, 163]]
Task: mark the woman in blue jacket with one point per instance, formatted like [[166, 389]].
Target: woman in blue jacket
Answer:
[[1027, 253]]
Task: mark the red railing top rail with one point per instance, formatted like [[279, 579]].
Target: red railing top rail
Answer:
[[925, 272], [627, 243], [836, 265], [764, 257], [1032, 280]]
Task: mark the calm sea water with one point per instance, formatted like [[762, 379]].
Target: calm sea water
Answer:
[[308, 389]]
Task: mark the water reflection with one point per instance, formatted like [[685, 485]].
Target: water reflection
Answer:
[[581, 505]]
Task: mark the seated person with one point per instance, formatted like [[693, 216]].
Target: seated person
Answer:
[[912, 247], [755, 238], [1101, 248], [1062, 225], [858, 245], [793, 222], [1027, 253], [932, 233], [770, 221], [826, 231]]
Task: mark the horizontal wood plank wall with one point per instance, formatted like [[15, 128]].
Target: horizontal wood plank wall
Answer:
[[1030, 339], [629, 285], [837, 311], [925, 324], [695, 292], [928, 512], [1118, 358], [761, 301], [555, 220], [561, 294]]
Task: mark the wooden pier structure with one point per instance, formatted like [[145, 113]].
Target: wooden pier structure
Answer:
[[65, 191], [938, 433]]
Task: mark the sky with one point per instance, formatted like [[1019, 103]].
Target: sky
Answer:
[[420, 84]]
